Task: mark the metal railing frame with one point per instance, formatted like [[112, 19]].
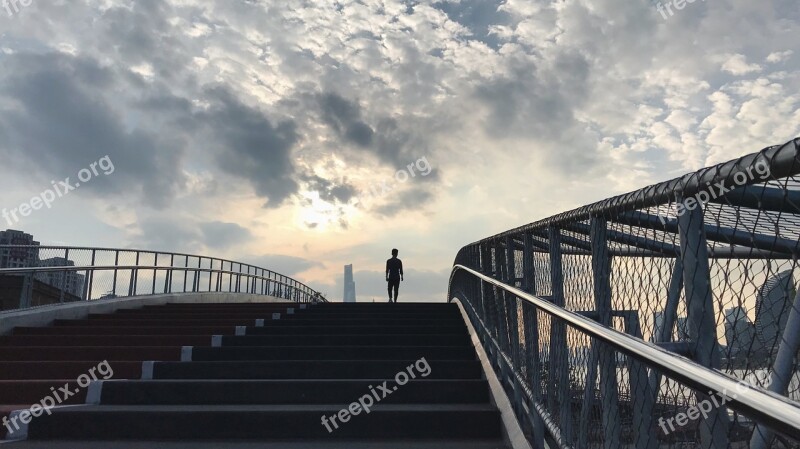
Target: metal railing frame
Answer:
[[499, 327], [243, 278], [772, 409]]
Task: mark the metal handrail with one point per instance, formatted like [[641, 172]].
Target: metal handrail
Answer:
[[772, 409], [782, 160], [135, 250], [250, 273]]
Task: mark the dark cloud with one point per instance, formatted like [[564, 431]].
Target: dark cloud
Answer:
[[344, 117], [248, 145], [220, 235], [330, 191], [286, 265], [409, 200], [58, 115], [142, 33], [538, 103], [185, 235]]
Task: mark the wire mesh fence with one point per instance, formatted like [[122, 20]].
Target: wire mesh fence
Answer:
[[33, 275], [704, 266]]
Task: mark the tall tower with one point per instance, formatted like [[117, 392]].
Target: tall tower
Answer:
[[349, 285]]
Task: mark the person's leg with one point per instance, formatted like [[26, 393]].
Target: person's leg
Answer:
[[389, 282], [396, 288]]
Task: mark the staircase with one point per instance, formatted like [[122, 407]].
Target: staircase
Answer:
[[259, 375]]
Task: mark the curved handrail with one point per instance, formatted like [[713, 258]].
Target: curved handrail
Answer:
[[163, 261], [774, 410]]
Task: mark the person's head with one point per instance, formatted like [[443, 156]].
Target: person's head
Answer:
[[394, 252]]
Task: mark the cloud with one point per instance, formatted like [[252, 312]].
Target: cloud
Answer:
[[285, 265], [737, 65], [330, 191], [345, 118], [248, 145], [219, 235], [58, 114]]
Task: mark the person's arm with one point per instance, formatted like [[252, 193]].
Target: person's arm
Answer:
[[401, 270], [387, 270]]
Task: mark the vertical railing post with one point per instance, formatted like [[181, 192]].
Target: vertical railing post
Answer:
[[487, 291], [64, 276], [90, 278], [155, 274], [531, 337], [133, 281], [114, 282], [185, 272], [601, 353], [700, 309], [558, 375], [782, 370], [664, 334], [513, 321]]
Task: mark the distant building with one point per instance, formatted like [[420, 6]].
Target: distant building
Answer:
[[773, 303], [18, 257], [739, 331], [682, 323], [349, 285], [658, 325], [71, 281]]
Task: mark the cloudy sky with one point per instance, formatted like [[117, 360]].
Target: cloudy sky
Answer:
[[304, 135]]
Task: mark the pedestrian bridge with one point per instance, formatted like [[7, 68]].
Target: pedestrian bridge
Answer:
[[668, 317]]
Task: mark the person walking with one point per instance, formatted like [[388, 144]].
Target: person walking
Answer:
[[394, 274]]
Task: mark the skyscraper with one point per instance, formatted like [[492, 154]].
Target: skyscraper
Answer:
[[349, 285], [658, 325], [773, 302], [71, 281], [738, 330], [682, 323], [18, 257]]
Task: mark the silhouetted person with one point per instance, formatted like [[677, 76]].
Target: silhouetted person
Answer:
[[394, 274]]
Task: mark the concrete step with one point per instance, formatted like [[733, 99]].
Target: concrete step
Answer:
[[231, 392], [284, 321], [354, 330], [32, 391], [41, 370], [228, 444], [329, 353], [347, 340], [105, 340], [73, 353], [289, 422], [182, 323], [315, 369], [126, 330], [230, 330], [299, 316]]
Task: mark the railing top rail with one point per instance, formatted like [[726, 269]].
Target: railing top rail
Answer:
[[774, 410], [144, 251], [152, 267], [782, 160], [133, 250]]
